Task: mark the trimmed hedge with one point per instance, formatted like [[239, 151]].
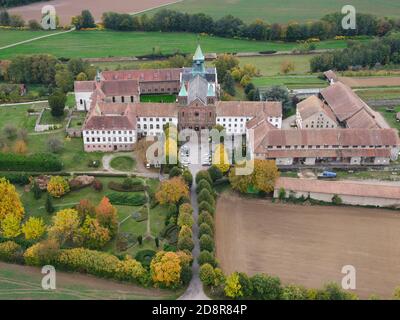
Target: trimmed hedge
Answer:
[[21, 179], [136, 199], [120, 188], [39, 162]]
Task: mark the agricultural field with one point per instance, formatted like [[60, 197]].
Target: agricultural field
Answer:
[[292, 82], [96, 44], [378, 93], [309, 245], [67, 9], [283, 11], [23, 282]]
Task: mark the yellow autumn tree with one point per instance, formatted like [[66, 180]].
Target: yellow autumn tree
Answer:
[[65, 226], [233, 288], [171, 150], [57, 186], [172, 190], [34, 228], [220, 158], [165, 269], [20, 147], [264, 175], [10, 202], [11, 226], [94, 236]]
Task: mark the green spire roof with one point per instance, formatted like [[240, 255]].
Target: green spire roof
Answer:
[[183, 92], [198, 55]]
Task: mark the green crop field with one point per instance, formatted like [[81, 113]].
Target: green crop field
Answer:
[[292, 82], [94, 44], [284, 10]]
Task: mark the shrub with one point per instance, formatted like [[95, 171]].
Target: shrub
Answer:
[[145, 257], [16, 178], [206, 217], [186, 208], [186, 274], [207, 274], [37, 192], [97, 185], [42, 253], [206, 196], [294, 292], [266, 287], [188, 177], [203, 175], [132, 270], [185, 232], [49, 204], [185, 219], [205, 229], [40, 162], [205, 206], [57, 186], [207, 257], [166, 269], [134, 199], [133, 188], [336, 200], [175, 172], [185, 243], [215, 173], [10, 251], [282, 194], [206, 243], [333, 291]]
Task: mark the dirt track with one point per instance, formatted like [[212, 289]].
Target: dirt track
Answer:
[[67, 9], [358, 82], [309, 245]]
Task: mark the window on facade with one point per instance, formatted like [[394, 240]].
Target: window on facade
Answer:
[[196, 114], [113, 99], [81, 101], [151, 126], [122, 99], [157, 126], [131, 98]]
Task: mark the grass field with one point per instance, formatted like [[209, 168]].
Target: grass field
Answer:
[[161, 98], [292, 82], [309, 245], [379, 93], [22, 282], [94, 44], [123, 163], [283, 10]]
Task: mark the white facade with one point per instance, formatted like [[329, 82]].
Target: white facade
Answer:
[[317, 121], [83, 100], [153, 126], [109, 140], [237, 125]]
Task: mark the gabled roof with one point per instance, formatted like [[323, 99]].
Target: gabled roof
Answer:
[[362, 119], [120, 87], [248, 108], [84, 86], [198, 88], [313, 105]]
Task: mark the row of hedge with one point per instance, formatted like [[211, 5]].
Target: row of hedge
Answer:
[[134, 199], [39, 162]]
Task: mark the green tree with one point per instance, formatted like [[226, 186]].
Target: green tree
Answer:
[[49, 204], [206, 243], [87, 19], [233, 289], [215, 173], [207, 274], [228, 84], [57, 103], [37, 193], [266, 287]]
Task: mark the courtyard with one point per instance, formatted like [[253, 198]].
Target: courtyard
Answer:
[[309, 245]]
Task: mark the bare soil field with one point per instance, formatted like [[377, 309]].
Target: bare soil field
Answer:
[[23, 282], [359, 82], [66, 9], [309, 245]]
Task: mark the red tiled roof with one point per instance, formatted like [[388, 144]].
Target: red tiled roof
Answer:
[[146, 75], [342, 100], [110, 123], [84, 86], [331, 137], [350, 188], [324, 153], [120, 87], [362, 119], [313, 105], [248, 108], [156, 109]]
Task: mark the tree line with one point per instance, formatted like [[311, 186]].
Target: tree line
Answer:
[[381, 51], [231, 27], [16, 3]]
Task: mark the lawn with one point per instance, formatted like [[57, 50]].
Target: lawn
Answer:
[[292, 82], [123, 163], [161, 98], [379, 93], [94, 44], [271, 65], [47, 118], [9, 37], [283, 11], [390, 117], [18, 116]]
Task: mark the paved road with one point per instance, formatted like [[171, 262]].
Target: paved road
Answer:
[[195, 289]]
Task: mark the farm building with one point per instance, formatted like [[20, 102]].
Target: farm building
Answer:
[[350, 192]]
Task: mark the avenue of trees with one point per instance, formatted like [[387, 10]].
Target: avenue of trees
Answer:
[[229, 26]]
